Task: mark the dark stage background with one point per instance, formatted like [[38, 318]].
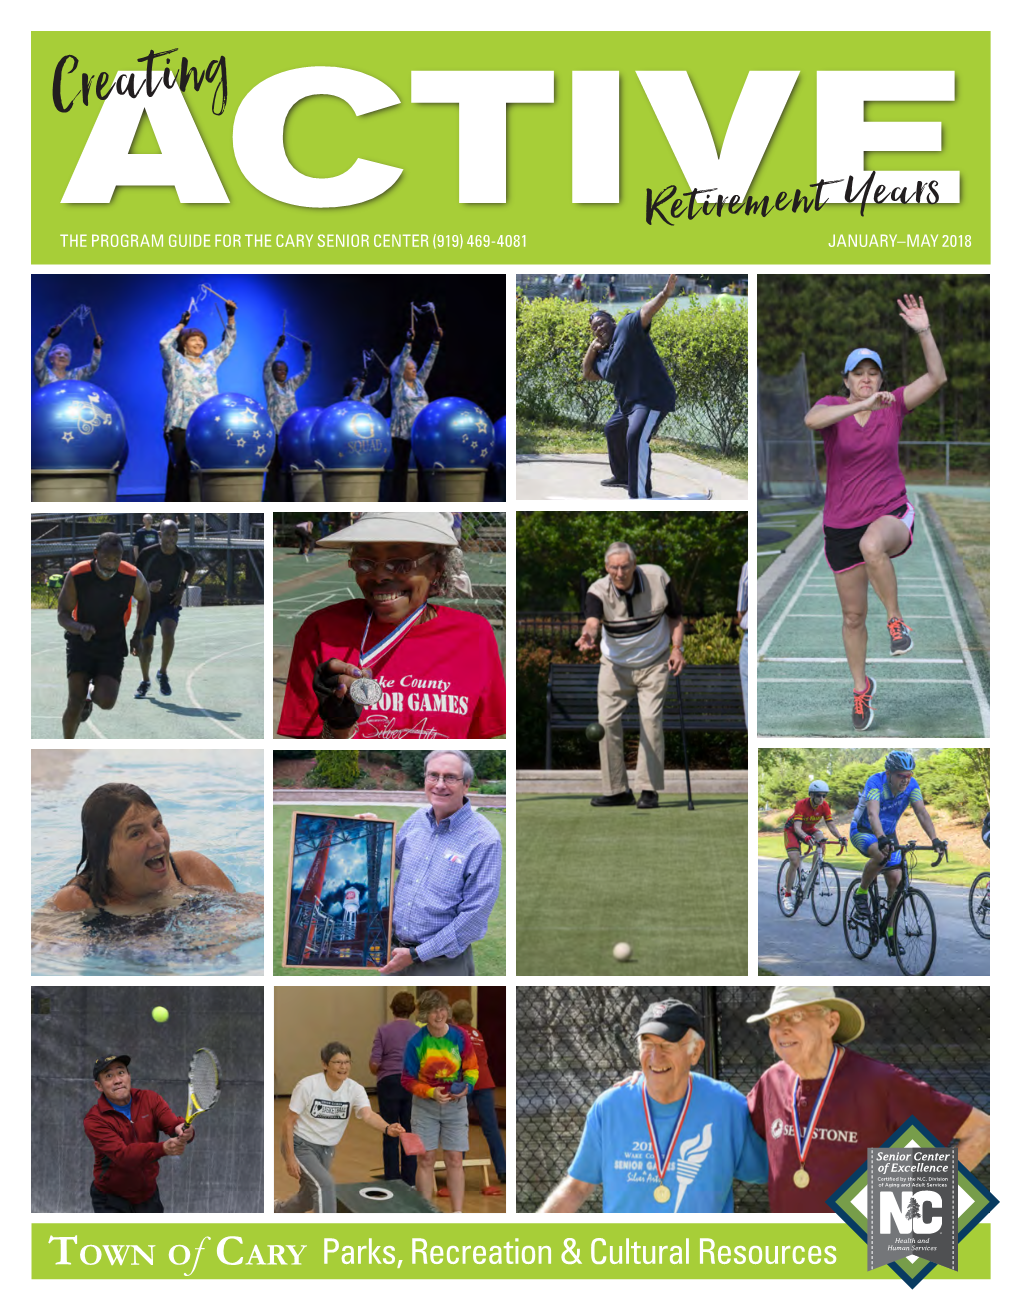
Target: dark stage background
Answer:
[[338, 314], [222, 1170]]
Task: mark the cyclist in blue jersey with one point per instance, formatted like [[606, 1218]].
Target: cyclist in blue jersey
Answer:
[[882, 804]]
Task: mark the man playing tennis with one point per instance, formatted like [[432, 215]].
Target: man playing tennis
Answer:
[[317, 1117], [124, 1127]]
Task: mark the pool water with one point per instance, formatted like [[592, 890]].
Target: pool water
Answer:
[[212, 802]]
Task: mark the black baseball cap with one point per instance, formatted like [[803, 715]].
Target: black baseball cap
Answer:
[[670, 1019], [101, 1065]]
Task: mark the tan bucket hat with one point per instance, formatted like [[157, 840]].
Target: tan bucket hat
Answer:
[[851, 1020]]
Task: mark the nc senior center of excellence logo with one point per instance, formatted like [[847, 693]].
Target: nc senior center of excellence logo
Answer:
[[913, 1202]]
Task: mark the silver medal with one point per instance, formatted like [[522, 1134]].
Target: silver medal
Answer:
[[365, 691]]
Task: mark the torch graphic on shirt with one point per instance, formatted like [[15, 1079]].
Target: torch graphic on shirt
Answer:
[[690, 1156]]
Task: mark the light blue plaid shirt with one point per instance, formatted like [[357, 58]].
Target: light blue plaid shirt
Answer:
[[449, 880]]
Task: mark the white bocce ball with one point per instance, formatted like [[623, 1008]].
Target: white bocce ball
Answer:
[[621, 951]]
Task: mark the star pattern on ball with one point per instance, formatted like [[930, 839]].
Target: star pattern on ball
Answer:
[[474, 445], [260, 450], [250, 414], [480, 424], [68, 436], [241, 441]]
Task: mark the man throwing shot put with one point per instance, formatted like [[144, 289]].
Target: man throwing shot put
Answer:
[[622, 353], [669, 1140], [317, 1117], [93, 608], [638, 611], [821, 1106], [123, 1127], [166, 569]]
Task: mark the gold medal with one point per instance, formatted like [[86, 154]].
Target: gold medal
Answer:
[[661, 1194], [801, 1178]]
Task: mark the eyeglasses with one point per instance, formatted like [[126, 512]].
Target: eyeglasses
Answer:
[[448, 778], [792, 1016], [395, 567]]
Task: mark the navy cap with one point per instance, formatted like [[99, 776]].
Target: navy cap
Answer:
[[101, 1065], [669, 1019]]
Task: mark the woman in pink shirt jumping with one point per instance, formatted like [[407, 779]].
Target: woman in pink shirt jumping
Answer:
[[868, 520]]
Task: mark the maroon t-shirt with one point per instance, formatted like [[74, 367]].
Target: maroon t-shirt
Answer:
[[867, 1102]]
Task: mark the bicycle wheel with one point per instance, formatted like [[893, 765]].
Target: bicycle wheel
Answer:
[[825, 894], [980, 904], [914, 933], [788, 907], [858, 935]]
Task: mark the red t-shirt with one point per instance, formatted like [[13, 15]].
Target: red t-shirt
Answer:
[[442, 681], [863, 476], [808, 816], [867, 1102], [485, 1082]]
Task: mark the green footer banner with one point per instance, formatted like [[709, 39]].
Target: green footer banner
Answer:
[[110, 1252]]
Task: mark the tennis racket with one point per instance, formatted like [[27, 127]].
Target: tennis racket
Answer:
[[203, 1084]]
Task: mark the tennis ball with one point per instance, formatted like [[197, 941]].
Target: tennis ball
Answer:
[[594, 731], [161, 1015], [621, 951]]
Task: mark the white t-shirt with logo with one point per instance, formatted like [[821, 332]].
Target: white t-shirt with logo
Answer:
[[323, 1114]]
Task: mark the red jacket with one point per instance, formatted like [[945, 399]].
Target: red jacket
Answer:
[[128, 1153], [485, 1082]]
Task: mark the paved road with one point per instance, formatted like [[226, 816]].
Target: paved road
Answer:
[[579, 476], [799, 946]]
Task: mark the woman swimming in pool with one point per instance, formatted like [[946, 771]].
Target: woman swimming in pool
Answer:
[[126, 866]]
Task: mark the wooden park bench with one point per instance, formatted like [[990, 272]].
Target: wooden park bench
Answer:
[[705, 698]]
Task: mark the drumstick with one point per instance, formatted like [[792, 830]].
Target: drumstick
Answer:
[[215, 293]]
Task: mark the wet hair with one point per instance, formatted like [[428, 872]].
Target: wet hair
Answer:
[[109, 541], [430, 1000], [333, 1048], [403, 1004], [189, 332], [100, 814], [462, 1012]]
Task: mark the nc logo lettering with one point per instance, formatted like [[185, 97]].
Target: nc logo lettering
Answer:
[[910, 1212]]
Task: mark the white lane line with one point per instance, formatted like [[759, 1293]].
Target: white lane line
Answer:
[[968, 658], [198, 668], [900, 681], [834, 659], [763, 648]]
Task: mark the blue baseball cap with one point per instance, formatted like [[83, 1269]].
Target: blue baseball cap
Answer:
[[855, 357]]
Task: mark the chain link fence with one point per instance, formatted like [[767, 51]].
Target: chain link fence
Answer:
[[574, 1042]]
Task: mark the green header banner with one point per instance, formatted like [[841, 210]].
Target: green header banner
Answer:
[[469, 148], [505, 1251]]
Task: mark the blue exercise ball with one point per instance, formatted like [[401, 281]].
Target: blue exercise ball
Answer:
[[124, 456], [230, 431], [296, 439], [499, 453], [351, 436], [452, 434], [76, 425]]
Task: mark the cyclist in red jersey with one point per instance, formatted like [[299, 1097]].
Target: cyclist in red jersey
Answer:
[[868, 520], [802, 825]]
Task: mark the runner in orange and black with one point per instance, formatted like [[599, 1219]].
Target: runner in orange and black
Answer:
[[93, 609], [802, 825]]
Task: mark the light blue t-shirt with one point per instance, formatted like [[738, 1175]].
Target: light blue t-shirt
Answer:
[[716, 1144], [124, 1109], [890, 807]]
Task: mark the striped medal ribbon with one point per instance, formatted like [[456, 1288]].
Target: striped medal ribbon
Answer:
[[801, 1177], [661, 1192], [366, 690]]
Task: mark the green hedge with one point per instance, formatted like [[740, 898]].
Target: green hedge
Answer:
[[337, 769], [704, 349]]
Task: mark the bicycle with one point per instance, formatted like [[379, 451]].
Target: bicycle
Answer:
[[979, 902], [909, 911], [821, 883]]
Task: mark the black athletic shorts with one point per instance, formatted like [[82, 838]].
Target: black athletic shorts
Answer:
[[95, 660], [843, 544]]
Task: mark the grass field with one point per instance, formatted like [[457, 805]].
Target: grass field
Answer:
[[544, 439], [671, 883], [490, 954], [968, 525], [952, 872]]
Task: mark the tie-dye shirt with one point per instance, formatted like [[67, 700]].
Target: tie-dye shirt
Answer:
[[409, 398], [45, 375], [280, 398], [191, 380], [431, 1061]]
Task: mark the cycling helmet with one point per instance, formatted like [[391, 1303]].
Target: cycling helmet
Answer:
[[899, 761], [818, 788]]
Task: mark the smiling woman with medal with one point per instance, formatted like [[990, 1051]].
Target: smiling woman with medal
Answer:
[[821, 1106], [396, 664], [669, 1140]]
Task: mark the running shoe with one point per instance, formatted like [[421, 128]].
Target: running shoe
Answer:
[[164, 682], [899, 636], [143, 690], [863, 714], [86, 708]]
